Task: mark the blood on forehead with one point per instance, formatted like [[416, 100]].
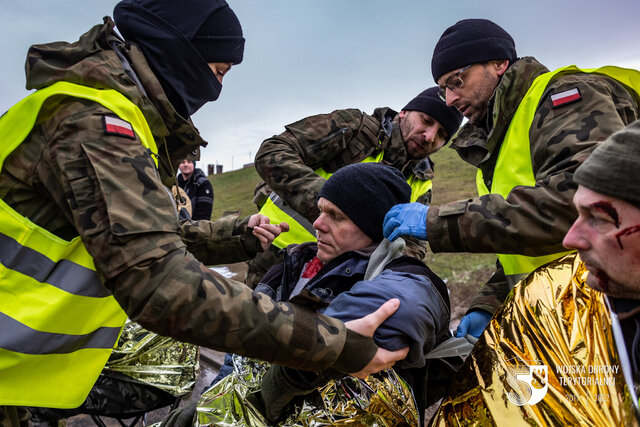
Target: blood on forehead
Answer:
[[608, 208]]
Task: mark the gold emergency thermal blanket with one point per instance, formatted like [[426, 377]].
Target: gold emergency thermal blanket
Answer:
[[548, 358], [159, 361], [384, 399]]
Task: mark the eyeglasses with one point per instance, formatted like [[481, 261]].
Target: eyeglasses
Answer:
[[453, 82]]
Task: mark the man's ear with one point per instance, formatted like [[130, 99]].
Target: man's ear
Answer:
[[402, 113], [501, 66]]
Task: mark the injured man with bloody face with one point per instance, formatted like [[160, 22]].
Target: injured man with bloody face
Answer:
[[565, 347]]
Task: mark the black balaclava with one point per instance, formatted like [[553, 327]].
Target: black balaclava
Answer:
[[178, 39]]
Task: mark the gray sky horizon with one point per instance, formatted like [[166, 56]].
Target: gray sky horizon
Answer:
[[307, 57]]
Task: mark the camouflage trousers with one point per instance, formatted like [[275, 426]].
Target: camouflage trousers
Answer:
[[493, 293], [14, 416]]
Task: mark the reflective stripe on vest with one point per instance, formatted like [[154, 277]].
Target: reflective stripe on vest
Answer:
[[513, 166], [58, 322], [300, 229]]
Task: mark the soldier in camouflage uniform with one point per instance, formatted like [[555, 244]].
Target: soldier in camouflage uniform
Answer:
[[476, 66], [74, 175], [288, 163]]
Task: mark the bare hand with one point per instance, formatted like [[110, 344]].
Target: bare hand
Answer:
[[366, 326], [265, 231]]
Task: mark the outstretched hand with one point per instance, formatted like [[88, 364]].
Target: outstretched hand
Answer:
[[366, 326], [264, 231]]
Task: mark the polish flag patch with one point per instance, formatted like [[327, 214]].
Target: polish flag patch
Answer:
[[116, 126], [566, 97]]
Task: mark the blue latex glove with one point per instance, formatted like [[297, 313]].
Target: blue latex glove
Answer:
[[473, 324], [407, 219]]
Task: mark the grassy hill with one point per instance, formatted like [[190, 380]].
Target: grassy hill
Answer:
[[454, 180], [233, 191]]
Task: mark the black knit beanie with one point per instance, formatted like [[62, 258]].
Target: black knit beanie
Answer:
[[365, 192], [219, 38], [429, 102], [471, 41], [612, 168]]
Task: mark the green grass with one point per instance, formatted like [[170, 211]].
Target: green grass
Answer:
[[454, 180], [234, 192]]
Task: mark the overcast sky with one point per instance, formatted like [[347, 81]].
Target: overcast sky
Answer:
[[305, 57]]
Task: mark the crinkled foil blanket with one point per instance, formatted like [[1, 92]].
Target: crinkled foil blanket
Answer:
[[552, 320], [384, 399], [159, 361]]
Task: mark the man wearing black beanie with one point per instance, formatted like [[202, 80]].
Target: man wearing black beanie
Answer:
[[528, 130], [336, 274], [87, 162], [295, 164]]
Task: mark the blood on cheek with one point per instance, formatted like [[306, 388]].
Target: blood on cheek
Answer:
[[626, 232]]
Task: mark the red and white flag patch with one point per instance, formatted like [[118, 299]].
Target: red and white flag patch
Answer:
[[566, 97], [116, 126]]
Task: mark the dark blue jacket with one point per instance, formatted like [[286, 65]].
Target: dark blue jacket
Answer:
[[421, 322], [200, 192], [339, 289]]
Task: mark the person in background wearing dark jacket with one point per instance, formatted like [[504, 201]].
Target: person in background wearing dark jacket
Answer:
[[195, 183]]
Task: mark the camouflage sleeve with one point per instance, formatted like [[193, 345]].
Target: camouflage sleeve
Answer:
[[425, 199], [417, 248], [225, 241], [286, 162], [533, 220], [126, 219], [493, 293]]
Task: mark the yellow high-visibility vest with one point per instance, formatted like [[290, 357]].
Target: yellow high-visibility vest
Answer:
[[513, 166], [300, 229], [58, 323]]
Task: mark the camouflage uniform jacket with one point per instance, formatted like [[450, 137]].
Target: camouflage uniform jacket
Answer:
[[531, 221], [287, 162], [73, 178]]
